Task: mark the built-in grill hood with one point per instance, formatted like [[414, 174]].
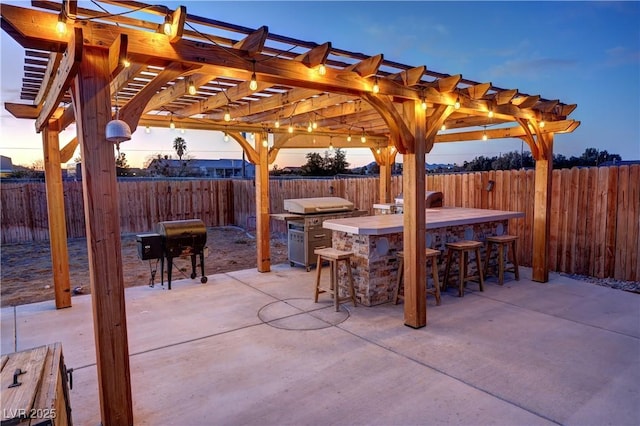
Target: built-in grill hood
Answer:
[[317, 205]]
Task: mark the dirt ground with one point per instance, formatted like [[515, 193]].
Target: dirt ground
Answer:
[[26, 275]]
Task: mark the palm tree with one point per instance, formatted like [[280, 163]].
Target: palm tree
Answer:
[[180, 145]]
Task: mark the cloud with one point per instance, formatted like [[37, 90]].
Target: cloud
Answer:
[[533, 69], [621, 56]]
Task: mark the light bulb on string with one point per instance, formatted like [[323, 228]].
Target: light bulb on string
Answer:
[[541, 124], [376, 88], [192, 88], [61, 25], [172, 125], [490, 113], [484, 134], [166, 28], [363, 138], [253, 85], [290, 129], [322, 70], [444, 127], [456, 105], [424, 104], [277, 123], [147, 130], [227, 115], [226, 137]]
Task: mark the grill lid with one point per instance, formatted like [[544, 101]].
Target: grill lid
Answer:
[[317, 205]]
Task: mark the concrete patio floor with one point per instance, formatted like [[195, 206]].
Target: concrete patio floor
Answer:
[[252, 348]]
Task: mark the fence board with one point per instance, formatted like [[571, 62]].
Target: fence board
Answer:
[[595, 221]]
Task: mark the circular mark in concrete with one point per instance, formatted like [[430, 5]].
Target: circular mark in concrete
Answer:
[[302, 314]]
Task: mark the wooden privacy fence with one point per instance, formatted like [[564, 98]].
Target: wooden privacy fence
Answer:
[[595, 212]]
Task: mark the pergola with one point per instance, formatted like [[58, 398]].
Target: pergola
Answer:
[[157, 67]]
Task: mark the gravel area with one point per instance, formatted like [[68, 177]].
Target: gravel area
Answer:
[[630, 286]]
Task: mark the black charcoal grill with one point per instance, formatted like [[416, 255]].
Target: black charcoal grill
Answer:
[[182, 238]]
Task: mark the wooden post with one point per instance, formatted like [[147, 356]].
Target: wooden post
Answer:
[[262, 204], [542, 212], [413, 190], [57, 222], [386, 166], [92, 103]]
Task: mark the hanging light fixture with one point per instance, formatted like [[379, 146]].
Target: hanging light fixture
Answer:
[[226, 137], [484, 134], [227, 115], [290, 126], [457, 104], [424, 104], [147, 130], [363, 138], [172, 125], [310, 127], [490, 113], [541, 124], [277, 123], [322, 70], [117, 130], [444, 127]]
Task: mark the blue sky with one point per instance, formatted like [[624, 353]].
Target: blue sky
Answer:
[[586, 53]]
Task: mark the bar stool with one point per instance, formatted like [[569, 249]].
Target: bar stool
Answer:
[[435, 291], [503, 242], [463, 248], [334, 257]]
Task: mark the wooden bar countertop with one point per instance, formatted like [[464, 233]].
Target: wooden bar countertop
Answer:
[[435, 218]]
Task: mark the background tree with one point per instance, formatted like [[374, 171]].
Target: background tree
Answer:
[[333, 162], [314, 165], [122, 167], [180, 146]]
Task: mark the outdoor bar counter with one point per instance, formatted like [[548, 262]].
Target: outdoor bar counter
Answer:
[[375, 240]]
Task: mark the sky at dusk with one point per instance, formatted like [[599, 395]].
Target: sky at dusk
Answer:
[[587, 53]]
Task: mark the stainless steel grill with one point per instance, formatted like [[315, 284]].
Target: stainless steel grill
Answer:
[[182, 238], [432, 199], [304, 225]]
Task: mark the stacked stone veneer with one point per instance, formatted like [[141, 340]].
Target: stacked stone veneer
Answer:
[[375, 261]]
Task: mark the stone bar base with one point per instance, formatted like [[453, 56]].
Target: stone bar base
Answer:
[[375, 262]]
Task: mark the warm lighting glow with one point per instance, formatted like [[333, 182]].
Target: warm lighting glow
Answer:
[[290, 130], [166, 28], [227, 115], [310, 128], [277, 124], [484, 135], [376, 88], [378, 150], [314, 125], [424, 104], [363, 138], [322, 70], [192, 88], [253, 85], [172, 125], [226, 137], [126, 63], [330, 146], [61, 26], [444, 127], [349, 138], [265, 143], [541, 124], [457, 104], [393, 149], [147, 130], [490, 113], [182, 130]]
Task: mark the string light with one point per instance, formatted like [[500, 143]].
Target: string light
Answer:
[[444, 127], [192, 88], [330, 146], [227, 115], [314, 124], [182, 130], [424, 104], [277, 123], [172, 125], [166, 28], [378, 150], [310, 127], [484, 134], [61, 25], [457, 104], [265, 143], [322, 70], [541, 124], [290, 126], [147, 130], [226, 137], [490, 113], [363, 138], [126, 63]]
